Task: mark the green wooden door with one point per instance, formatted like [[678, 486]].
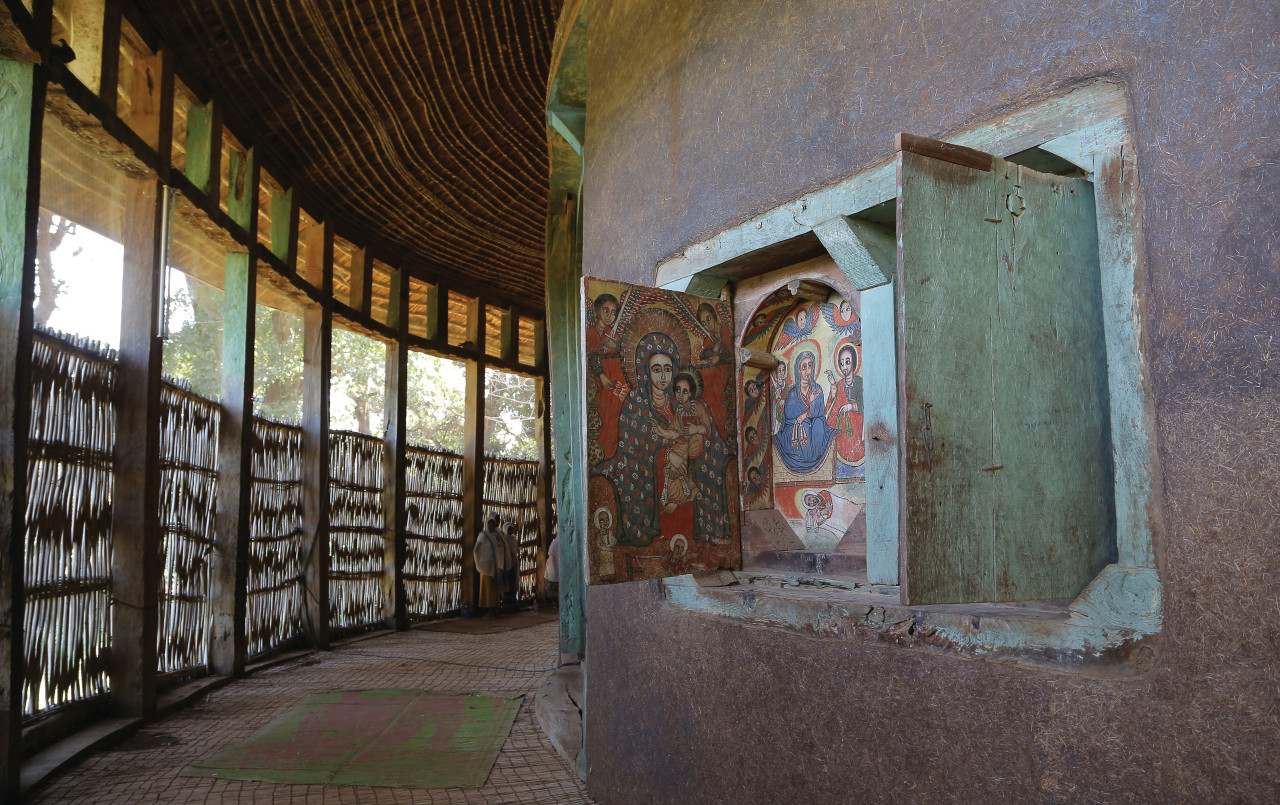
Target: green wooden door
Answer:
[[1004, 417]]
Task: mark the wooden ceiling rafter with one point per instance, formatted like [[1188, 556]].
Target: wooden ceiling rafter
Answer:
[[420, 124]]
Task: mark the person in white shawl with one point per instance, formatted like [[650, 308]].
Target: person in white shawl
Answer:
[[492, 562]]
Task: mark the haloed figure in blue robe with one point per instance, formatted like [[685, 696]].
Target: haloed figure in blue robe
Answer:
[[803, 436]]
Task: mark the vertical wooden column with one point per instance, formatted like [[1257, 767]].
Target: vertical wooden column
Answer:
[[546, 488], [395, 612], [228, 589], [564, 337], [316, 363], [135, 526], [228, 650], [22, 88], [473, 468]]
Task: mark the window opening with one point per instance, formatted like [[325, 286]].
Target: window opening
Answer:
[[79, 254], [437, 402], [357, 389], [193, 286], [510, 415]]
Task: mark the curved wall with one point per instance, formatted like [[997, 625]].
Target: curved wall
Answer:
[[704, 115]]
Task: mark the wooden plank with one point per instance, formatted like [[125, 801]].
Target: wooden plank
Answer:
[[1053, 521], [113, 13], [944, 320], [284, 228], [850, 253], [472, 478], [22, 89], [437, 312], [507, 335], [943, 151], [204, 149], [229, 574], [135, 526], [395, 608], [565, 359], [546, 488], [242, 190], [317, 326], [880, 396], [361, 280]]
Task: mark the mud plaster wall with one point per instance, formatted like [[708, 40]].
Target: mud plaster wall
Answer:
[[704, 114]]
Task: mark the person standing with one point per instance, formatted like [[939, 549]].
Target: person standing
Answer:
[[490, 554], [552, 573], [511, 577]]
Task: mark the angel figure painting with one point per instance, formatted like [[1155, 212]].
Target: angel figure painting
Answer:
[[660, 418], [812, 415]]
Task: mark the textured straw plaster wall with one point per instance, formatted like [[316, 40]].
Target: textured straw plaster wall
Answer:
[[705, 114]]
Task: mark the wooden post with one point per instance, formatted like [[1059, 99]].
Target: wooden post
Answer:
[[564, 334], [317, 324], [542, 428], [284, 229], [361, 280], [204, 148], [22, 86], [135, 522], [396, 612], [473, 472], [437, 313]]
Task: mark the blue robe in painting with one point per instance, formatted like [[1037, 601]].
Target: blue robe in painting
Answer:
[[805, 454]]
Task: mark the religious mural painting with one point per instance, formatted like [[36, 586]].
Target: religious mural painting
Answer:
[[803, 409], [662, 475]]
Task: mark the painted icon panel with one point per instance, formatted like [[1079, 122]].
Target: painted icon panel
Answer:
[[662, 475], [807, 346]]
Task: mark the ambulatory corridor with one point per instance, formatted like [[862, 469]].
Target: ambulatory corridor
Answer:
[[148, 767]]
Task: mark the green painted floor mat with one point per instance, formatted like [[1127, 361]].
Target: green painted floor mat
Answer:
[[396, 738]]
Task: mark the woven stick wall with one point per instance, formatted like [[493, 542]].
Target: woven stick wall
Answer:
[[188, 501], [356, 526], [67, 547], [433, 544], [511, 489], [276, 555]]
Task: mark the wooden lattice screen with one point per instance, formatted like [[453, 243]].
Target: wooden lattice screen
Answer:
[[433, 545], [356, 525], [67, 549], [276, 555], [511, 489], [188, 501]]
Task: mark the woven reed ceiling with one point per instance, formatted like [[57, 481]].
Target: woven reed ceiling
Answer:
[[418, 124]]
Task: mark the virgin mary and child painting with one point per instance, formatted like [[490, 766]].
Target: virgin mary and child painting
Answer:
[[660, 453]]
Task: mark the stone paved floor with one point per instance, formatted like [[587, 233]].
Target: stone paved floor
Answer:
[[145, 768]]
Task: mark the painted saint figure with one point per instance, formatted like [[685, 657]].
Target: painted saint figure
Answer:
[[844, 411], [714, 354], [803, 435], [605, 365], [653, 450]]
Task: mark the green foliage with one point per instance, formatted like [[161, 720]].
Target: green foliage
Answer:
[[277, 371], [193, 350], [436, 402], [357, 385], [510, 415], [436, 386]]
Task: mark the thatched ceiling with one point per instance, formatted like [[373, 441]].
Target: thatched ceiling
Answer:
[[419, 124]]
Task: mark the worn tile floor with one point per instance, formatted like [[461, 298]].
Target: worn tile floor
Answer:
[[145, 768]]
